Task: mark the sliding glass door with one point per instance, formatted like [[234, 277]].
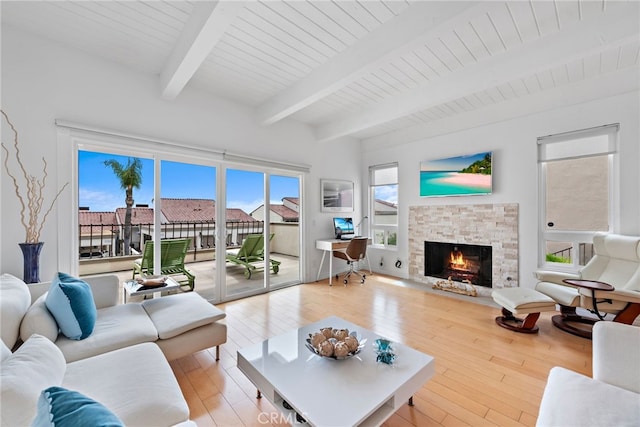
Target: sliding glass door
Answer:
[[242, 224], [188, 207], [244, 234], [284, 225]]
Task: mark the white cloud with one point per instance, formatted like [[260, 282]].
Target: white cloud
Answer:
[[100, 201]]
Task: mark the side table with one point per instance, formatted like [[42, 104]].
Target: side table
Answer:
[[562, 322], [131, 288]]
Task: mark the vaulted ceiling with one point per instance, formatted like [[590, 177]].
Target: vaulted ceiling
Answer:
[[377, 70]]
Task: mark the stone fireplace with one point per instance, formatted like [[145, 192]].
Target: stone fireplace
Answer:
[[485, 225]]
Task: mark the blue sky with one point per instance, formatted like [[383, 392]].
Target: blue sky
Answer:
[[99, 188], [452, 163]]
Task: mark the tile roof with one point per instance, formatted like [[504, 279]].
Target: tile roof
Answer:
[[189, 210], [287, 214], [384, 202], [173, 211], [107, 221], [138, 215], [238, 215], [294, 200]]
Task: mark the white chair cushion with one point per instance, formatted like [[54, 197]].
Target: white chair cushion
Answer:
[[4, 351], [565, 295], [36, 365], [14, 303], [523, 300], [175, 314], [616, 355], [39, 320], [128, 379], [571, 399], [116, 327], [618, 246]]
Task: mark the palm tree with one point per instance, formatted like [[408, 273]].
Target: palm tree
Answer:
[[130, 177]]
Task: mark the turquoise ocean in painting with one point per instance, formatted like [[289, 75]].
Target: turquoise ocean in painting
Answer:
[[432, 183]]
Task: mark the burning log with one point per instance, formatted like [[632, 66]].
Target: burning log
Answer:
[[465, 288]]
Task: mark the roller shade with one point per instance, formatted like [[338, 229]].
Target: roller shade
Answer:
[[583, 143]]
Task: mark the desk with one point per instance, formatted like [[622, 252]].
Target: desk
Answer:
[[330, 245]]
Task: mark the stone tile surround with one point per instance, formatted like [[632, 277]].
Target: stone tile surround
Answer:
[[494, 225]]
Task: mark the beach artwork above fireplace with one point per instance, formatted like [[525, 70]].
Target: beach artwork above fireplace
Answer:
[[457, 176]]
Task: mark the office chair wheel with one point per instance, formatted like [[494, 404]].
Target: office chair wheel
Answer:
[[276, 268], [362, 281], [247, 273], [345, 281]]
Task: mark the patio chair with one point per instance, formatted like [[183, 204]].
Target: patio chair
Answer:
[[251, 253], [172, 255]]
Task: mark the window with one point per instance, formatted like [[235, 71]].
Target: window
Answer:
[[577, 194], [184, 194], [383, 207]]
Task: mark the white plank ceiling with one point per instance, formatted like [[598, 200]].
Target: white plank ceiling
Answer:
[[382, 71]]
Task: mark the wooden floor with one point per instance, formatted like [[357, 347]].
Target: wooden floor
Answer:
[[485, 375]]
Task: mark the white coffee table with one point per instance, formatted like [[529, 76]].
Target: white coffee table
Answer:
[[129, 288], [354, 392]]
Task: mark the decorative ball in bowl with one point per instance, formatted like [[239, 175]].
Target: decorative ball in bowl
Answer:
[[333, 343]]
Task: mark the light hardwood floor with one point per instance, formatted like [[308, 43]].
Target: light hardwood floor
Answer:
[[485, 375]]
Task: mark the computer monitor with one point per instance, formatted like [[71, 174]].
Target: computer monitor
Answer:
[[343, 227]]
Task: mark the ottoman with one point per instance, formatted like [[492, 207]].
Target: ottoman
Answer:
[[521, 301]]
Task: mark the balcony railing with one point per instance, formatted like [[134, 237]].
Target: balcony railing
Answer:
[[104, 240], [585, 253]]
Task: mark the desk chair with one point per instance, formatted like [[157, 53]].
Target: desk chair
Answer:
[[356, 251]]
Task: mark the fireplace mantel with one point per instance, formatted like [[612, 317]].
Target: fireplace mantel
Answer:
[[494, 225]]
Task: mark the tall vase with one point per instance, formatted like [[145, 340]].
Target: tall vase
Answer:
[[31, 261]]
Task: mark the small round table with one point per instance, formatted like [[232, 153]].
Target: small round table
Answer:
[[594, 285]]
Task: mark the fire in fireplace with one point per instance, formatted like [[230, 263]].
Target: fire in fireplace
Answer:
[[458, 261]]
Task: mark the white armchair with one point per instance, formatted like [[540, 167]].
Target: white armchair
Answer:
[[611, 397], [617, 263]]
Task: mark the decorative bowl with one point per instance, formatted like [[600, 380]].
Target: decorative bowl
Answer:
[[361, 344]]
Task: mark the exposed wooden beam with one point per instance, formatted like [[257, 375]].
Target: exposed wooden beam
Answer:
[[618, 24], [400, 34], [203, 30]]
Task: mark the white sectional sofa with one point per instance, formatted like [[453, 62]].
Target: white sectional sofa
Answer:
[[122, 364], [611, 397], [180, 324]]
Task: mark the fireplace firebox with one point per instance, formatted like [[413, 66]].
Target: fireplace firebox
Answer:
[[459, 262]]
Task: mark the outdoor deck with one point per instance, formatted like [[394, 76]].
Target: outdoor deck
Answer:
[[205, 272]]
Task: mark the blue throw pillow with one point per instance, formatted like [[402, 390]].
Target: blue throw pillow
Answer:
[[70, 301], [60, 407]]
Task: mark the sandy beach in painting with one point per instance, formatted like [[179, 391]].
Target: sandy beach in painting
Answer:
[[469, 179]]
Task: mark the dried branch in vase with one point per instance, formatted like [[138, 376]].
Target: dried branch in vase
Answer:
[[32, 196]]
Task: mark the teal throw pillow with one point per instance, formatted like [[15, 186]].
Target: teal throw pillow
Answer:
[[70, 301], [60, 407]]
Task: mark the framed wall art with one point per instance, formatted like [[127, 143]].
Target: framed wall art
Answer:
[[337, 195]]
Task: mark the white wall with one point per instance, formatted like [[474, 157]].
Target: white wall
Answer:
[[515, 169], [43, 81]]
